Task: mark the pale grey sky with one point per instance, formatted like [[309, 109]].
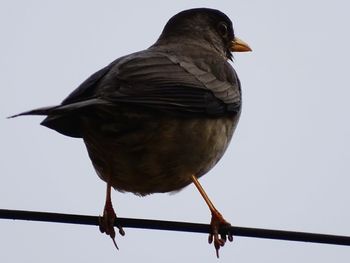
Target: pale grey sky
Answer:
[[287, 166]]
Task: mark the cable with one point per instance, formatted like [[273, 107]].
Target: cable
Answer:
[[176, 226]]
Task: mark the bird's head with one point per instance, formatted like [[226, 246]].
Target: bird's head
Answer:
[[205, 27]]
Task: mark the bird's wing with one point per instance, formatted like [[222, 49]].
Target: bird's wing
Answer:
[[165, 82], [148, 79]]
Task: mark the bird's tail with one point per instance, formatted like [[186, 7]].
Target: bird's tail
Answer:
[[61, 109], [39, 111], [65, 118]]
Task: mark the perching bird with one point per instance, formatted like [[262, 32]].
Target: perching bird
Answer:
[[156, 120]]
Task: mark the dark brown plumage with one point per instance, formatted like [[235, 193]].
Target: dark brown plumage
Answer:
[[156, 120]]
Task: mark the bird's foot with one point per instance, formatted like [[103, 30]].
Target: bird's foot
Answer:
[[220, 231], [106, 222]]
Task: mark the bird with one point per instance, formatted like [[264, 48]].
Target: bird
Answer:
[[156, 120]]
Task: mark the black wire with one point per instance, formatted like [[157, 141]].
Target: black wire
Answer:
[[176, 226]]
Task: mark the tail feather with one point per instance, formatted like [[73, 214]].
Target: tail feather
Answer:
[[39, 111], [64, 118], [59, 109]]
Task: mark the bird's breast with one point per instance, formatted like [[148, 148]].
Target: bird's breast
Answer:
[[145, 154]]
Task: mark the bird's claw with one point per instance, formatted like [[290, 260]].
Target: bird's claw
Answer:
[[220, 232], [106, 224]]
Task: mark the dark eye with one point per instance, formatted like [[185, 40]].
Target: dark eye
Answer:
[[223, 30]]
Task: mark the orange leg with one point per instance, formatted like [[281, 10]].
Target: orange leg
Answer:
[[108, 219], [217, 223]]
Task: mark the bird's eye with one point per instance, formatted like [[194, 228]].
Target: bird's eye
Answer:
[[223, 30]]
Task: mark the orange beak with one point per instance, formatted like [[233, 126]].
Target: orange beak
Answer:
[[238, 45]]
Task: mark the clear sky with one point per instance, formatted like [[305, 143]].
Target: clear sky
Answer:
[[287, 167]]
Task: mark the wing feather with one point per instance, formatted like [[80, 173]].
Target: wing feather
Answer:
[[164, 82], [149, 79]]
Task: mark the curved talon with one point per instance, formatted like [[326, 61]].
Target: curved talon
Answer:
[[230, 237], [121, 231], [223, 237], [210, 238], [218, 242], [115, 243]]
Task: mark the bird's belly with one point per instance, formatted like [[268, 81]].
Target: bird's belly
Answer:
[[161, 155]]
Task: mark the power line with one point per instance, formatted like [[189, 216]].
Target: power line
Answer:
[[176, 226]]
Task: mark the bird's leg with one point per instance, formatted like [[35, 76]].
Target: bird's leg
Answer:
[[108, 219], [219, 226]]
